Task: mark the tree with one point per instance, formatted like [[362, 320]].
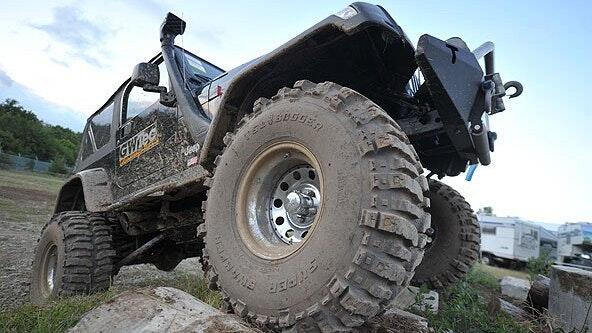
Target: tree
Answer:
[[486, 211], [21, 132]]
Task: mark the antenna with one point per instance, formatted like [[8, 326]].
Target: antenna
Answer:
[[184, 57]]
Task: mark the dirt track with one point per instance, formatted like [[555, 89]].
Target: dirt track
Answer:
[[26, 203]]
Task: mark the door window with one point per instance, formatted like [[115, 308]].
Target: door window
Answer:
[[101, 125], [87, 148], [139, 100]]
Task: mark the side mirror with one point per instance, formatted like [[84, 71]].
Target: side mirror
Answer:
[[145, 74]]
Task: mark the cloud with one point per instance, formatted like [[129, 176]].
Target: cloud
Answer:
[[5, 80], [82, 36], [149, 6], [47, 111], [208, 35]]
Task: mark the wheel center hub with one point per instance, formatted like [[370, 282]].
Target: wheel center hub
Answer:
[[301, 204], [295, 203]]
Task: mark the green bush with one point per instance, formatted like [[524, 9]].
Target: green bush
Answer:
[[5, 161], [541, 265], [58, 165]]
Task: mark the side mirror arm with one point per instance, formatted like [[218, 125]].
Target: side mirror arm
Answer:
[[166, 98]]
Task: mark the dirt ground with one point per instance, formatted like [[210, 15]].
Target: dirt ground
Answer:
[[26, 203]]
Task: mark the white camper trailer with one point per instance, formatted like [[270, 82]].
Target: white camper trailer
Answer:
[[575, 243], [508, 240]]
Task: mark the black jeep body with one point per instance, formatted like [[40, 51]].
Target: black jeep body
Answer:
[[149, 153], [367, 52]]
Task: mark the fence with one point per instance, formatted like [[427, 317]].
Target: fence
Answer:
[[22, 163]]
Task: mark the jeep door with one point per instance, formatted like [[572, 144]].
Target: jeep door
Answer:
[[144, 138]]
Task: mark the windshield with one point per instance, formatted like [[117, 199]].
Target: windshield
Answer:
[[199, 67]]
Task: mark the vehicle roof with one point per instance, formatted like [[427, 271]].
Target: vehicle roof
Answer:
[[153, 59], [484, 218]]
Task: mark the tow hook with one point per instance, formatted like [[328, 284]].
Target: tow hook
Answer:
[[516, 85]]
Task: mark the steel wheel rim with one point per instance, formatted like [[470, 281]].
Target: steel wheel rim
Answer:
[[279, 200], [50, 268]]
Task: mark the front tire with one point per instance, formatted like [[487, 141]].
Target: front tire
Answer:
[[456, 242], [316, 213], [74, 255]]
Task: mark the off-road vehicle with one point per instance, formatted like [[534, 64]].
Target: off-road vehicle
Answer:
[[296, 177]]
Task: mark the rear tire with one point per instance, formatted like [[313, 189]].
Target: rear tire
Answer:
[[74, 255], [368, 221], [455, 247]]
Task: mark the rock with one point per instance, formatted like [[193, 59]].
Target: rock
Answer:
[[538, 295], [397, 321], [515, 288], [570, 298], [158, 310], [411, 298], [496, 304]]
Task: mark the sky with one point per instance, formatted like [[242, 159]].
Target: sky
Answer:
[[63, 59]]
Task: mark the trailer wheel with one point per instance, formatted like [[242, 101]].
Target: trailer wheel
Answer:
[[486, 260], [454, 248], [316, 213], [74, 255]]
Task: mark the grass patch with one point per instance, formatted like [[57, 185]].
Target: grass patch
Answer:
[[31, 180], [198, 287], [62, 314], [189, 283], [464, 308], [57, 316], [27, 196], [498, 272]]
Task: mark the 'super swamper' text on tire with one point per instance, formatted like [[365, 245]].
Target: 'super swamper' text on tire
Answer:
[[74, 255], [369, 232], [455, 247]]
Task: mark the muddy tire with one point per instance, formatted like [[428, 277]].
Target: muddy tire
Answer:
[[74, 255], [349, 228], [455, 247]]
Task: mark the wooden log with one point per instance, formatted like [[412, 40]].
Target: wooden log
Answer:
[[497, 305], [538, 295]]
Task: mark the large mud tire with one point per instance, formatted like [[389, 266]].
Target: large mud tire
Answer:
[[369, 233], [455, 247], [75, 251]]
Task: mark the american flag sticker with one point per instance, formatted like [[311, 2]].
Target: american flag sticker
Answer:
[[192, 161]]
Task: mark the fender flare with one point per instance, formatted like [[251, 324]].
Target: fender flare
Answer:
[[95, 187], [241, 84]]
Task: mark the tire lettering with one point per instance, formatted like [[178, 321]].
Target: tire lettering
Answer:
[[278, 118], [241, 278], [293, 281]]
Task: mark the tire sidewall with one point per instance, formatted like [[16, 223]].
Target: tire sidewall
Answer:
[[52, 234], [447, 243], [299, 280]]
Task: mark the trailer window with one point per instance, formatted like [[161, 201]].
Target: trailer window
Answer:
[[488, 230]]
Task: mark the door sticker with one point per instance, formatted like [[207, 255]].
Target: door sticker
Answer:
[[138, 144]]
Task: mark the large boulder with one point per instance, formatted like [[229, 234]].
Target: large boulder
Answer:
[[158, 310], [515, 288], [570, 298]]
